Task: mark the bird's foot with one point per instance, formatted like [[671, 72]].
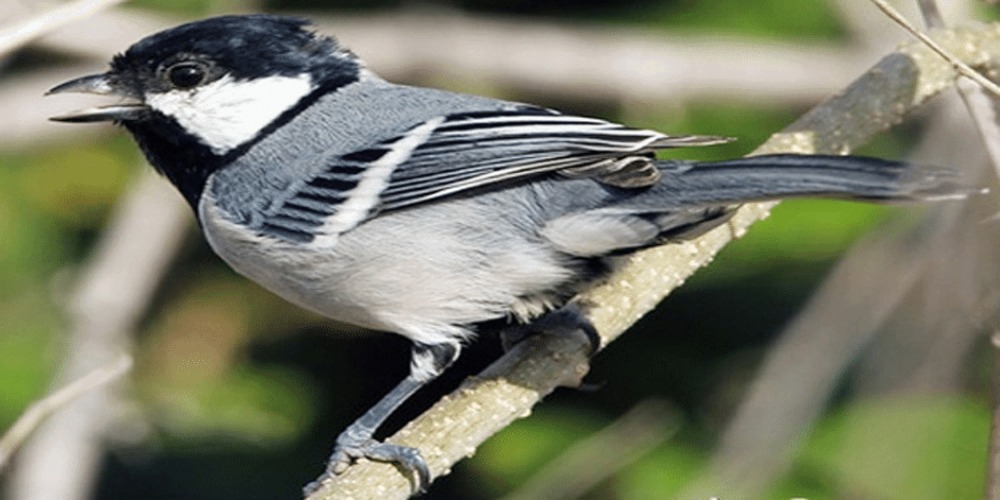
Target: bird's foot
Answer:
[[350, 449], [568, 319]]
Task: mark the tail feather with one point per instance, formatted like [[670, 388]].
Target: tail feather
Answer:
[[691, 198], [770, 177]]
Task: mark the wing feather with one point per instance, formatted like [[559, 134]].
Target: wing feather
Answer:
[[467, 151], [473, 150]]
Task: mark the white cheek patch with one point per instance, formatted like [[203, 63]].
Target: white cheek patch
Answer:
[[227, 112]]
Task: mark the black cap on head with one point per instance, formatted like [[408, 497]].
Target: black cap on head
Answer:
[[243, 46]]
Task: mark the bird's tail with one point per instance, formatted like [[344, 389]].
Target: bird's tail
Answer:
[[770, 177], [691, 198]]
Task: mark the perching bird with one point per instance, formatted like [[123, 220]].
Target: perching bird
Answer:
[[419, 211]]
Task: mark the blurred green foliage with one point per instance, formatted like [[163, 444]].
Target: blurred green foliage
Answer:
[[52, 201], [225, 366], [907, 447]]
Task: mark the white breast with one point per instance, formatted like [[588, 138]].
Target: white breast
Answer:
[[301, 274], [400, 272]]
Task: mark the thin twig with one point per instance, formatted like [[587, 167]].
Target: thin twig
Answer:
[[961, 67], [44, 407], [23, 32]]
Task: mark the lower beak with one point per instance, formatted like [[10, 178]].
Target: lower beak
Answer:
[[101, 84]]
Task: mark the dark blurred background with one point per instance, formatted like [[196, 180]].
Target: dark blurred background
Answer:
[[236, 394]]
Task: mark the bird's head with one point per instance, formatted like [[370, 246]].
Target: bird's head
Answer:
[[193, 94]]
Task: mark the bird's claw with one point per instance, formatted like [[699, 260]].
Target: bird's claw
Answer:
[[346, 453]]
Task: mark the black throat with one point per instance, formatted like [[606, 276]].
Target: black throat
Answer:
[[176, 154]]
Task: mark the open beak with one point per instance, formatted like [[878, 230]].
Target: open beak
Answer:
[[101, 84]]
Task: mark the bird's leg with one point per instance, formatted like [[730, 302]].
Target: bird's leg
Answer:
[[427, 362], [567, 319]]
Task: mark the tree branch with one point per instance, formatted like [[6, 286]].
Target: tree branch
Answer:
[[24, 31], [934, 16], [39, 410], [508, 389]]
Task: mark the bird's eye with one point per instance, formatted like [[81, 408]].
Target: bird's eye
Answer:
[[186, 75]]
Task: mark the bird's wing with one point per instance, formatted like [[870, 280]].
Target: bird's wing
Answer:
[[456, 153], [474, 150]]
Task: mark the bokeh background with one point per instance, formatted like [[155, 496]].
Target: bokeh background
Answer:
[[881, 384]]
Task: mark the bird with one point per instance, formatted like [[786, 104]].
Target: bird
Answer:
[[417, 211]]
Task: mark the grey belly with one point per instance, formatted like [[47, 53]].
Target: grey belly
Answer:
[[423, 273]]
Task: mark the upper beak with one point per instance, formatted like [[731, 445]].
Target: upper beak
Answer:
[[102, 84]]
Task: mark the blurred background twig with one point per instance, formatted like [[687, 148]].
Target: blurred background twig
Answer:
[[18, 32], [39, 410]]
